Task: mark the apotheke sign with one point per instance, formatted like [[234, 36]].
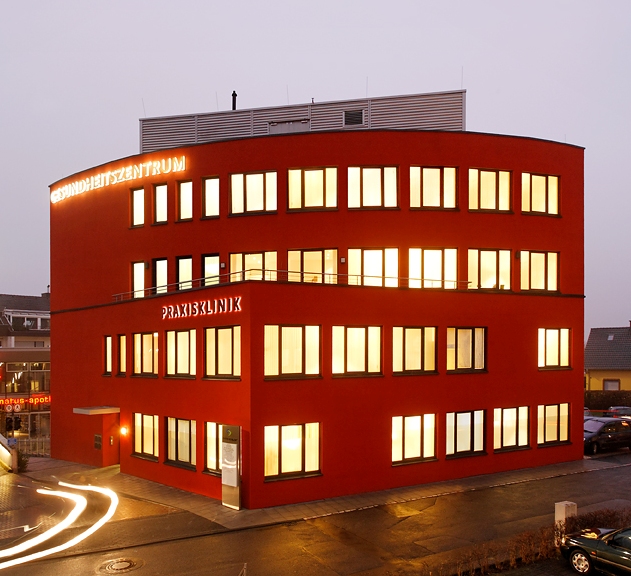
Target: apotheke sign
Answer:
[[124, 174]]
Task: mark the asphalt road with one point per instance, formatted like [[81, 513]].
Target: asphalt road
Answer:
[[395, 539]]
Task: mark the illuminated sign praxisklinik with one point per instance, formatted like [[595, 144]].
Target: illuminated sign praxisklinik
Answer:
[[124, 174]]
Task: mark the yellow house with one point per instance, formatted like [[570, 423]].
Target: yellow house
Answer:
[[608, 359]]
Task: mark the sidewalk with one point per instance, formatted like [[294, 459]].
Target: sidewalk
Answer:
[[51, 471]]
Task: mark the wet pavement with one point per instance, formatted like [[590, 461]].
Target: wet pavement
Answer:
[[403, 528]]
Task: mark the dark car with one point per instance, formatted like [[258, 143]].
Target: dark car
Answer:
[[598, 548], [606, 434], [618, 412]]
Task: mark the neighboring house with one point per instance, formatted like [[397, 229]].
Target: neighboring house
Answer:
[[25, 370], [362, 292], [608, 359]]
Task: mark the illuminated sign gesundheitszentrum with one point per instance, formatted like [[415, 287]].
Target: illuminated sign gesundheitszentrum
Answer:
[[124, 174]]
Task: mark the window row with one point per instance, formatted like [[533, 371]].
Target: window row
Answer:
[[368, 187], [295, 351], [414, 437], [488, 269], [295, 450]]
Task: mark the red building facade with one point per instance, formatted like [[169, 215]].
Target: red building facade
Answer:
[[373, 309]]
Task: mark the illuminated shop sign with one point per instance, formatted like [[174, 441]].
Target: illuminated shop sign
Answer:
[[124, 174], [17, 404], [202, 308]]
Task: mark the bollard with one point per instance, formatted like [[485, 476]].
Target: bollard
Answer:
[[564, 510]]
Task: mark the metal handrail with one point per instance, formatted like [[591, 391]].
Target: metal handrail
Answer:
[[286, 276]]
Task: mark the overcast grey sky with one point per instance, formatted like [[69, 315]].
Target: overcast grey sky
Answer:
[[76, 76]]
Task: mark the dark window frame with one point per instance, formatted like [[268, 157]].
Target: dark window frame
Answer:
[[381, 206], [442, 189], [324, 207], [222, 376], [423, 370]]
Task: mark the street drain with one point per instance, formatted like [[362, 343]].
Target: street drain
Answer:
[[120, 566]]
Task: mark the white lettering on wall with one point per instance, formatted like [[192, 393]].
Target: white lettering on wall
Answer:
[[125, 174], [202, 308]]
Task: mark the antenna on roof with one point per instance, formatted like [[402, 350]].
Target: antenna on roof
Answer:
[[234, 99]]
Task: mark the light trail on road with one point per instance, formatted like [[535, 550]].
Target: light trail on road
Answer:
[[81, 503]]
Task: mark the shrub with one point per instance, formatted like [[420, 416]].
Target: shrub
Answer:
[[23, 459]]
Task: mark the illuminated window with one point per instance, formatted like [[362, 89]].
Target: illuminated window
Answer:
[[138, 280], [292, 351], [465, 349], [433, 268], [184, 273], [181, 441], [432, 187], [253, 192], [312, 188], [138, 207], [185, 200], [254, 266], [122, 354], [489, 269], [413, 437], [510, 427], [214, 433], [312, 266], [146, 353], [465, 432], [223, 352], [181, 352], [211, 267], [160, 275], [373, 267], [553, 423], [160, 204], [413, 349], [108, 355], [554, 348], [489, 190], [372, 187], [146, 435], [539, 270], [356, 350], [211, 197], [292, 450], [540, 194]]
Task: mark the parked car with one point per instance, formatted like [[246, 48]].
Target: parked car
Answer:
[[618, 412], [606, 434], [587, 412], [598, 548]]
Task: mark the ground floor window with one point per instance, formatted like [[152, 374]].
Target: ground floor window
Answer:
[[181, 441], [510, 427], [214, 433], [292, 450], [465, 432], [609, 384], [553, 423], [413, 437], [146, 435]]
